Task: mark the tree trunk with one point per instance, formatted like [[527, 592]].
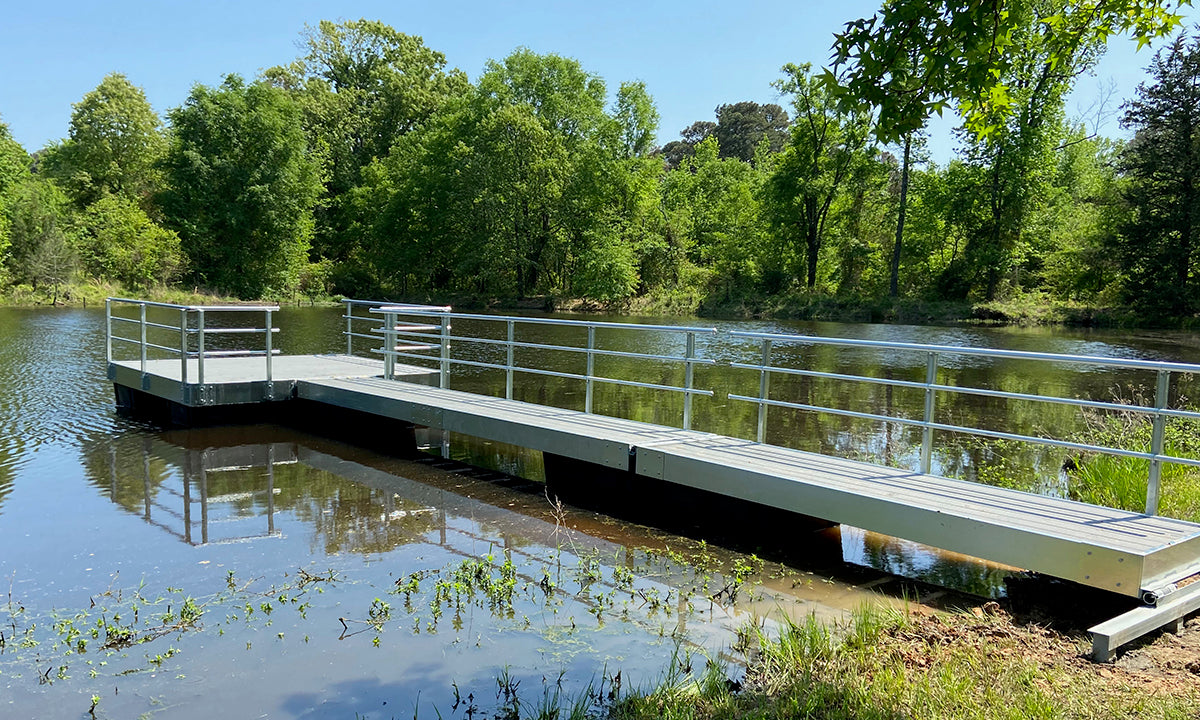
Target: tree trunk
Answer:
[[894, 287], [812, 241]]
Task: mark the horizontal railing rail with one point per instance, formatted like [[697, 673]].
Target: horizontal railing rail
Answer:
[[1158, 412], [194, 331], [351, 332], [423, 334], [405, 336]]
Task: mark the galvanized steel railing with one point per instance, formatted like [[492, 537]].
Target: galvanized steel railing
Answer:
[[375, 332], [424, 333], [404, 338], [1158, 413], [192, 323]]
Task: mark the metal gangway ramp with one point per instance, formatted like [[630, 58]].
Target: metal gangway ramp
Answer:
[[1136, 554]]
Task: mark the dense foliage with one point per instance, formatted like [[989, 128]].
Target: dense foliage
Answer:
[[367, 167]]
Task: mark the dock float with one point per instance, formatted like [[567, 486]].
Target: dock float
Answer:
[[1139, 555]]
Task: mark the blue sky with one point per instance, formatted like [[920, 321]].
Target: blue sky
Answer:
[[692, 56]]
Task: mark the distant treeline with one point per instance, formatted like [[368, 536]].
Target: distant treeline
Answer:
[[367, 168]]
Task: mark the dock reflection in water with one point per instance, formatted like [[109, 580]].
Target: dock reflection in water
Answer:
[[352, 507], [593, 594]]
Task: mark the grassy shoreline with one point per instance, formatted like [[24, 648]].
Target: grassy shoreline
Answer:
[[922, 664], [1026, 310]]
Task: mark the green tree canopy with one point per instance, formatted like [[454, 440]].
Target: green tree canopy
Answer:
[[118, 242], [42, 251], [1160, 244], [741, 128], [825, 145], [114, 144], [241, 187], [638, 118], [1018, 155], [516, 188], [914, 58], [362, 85], [14, 169]]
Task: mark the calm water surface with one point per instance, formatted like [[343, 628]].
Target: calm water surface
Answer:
[[257, 568]]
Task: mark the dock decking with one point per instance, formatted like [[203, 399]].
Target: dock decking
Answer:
[[240, 380], [1115, 550]]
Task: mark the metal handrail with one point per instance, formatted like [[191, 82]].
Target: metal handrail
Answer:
[[1158, 412], [402, 310], [351, 318], [540, 346], [425, 335], [191, 323], [983, 352], [212, 308], [439, 339]]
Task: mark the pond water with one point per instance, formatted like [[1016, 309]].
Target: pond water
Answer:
[[261, 571]]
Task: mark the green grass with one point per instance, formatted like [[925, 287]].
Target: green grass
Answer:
[[1121, 482], [888, 665], [92, 294]]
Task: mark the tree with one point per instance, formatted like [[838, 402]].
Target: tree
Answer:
[[14, 170], [638, 118], [1085, 210], [113, 147], [713, 211], [42, 248], [1160, 244], [675, 151], [14, 161], [825, 144], [902, 214], [740, 129], [119, 242], [241, 187], [1018, 154], [519, 188], [362, 86], [916, 57], [742, 126]]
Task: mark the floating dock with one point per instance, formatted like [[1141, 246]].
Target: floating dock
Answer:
[[1138, 555]]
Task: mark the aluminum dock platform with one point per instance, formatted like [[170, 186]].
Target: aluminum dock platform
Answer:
[[1138, 555]]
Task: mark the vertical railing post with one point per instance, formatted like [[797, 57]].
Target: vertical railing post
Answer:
[[591, 367], [183, 345], [444, 366], [1158, 429], [108, 329], [764, 387], [508, 361], [271, 489], [349, 327], [200, 349], [142, 315], [689, 355], [389, 345], [270, 348], [931, 363], [187, 502], [203, 501]]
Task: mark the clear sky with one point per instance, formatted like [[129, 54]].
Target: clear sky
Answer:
[[692, 56]]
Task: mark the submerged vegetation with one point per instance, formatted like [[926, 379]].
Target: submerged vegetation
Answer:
[[117, 634], [883, 660]]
